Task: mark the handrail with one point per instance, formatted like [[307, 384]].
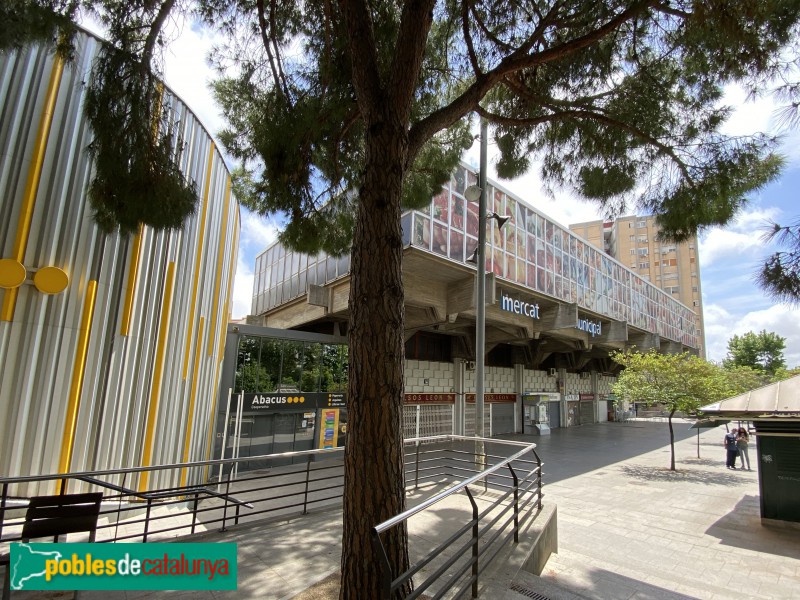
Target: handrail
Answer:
[[389, 523], [491, 534], [185, 491], [187, 465]]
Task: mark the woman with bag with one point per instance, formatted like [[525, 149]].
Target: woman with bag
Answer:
[[742, 440]]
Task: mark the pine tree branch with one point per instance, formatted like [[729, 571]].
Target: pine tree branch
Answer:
[[357, 22], [594, 116], [155, 30], [266, 41], [415, 25], [519, 60]]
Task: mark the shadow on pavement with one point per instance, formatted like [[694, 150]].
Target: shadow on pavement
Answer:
[[573, 451], [663, 474], [603, 584], [742, 528]]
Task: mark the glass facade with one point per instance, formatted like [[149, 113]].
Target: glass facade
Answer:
[[530, 250]]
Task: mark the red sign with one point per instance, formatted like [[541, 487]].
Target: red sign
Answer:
[[586, 397], [493, 398], [426, 398]]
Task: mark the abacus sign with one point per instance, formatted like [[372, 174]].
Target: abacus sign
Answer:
[[287, 400]]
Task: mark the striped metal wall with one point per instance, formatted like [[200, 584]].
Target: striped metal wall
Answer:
[[121, 367]]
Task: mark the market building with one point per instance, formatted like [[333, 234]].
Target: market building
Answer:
[[673, 267], [110, 346], [556, 307]]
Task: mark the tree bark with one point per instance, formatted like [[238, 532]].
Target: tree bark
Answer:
[[374, 480]]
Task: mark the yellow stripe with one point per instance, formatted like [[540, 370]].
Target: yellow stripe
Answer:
[[158, 371], [212, 418], [133, 273], [32, 184], [199, 255], [220, 257], [226, 313], [76, 385], [192, 398]]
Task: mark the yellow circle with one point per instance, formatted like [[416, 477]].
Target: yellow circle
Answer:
[[50, 280], [301, 399], [12, 273]]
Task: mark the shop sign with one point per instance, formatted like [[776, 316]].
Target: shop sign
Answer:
[[429, 398], [593, 327], [586, 397], [519, 307], [293, 400], [493, 398]]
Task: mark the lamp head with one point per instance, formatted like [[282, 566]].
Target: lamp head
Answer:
[[500, 220], [473, 258], [473, 193]]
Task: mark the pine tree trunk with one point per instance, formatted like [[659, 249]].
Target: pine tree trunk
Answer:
[[374, 489]]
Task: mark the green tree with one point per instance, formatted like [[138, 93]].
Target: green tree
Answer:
[[342, 113], [780, 275], [680, 382], [740, 379], [761, 351]]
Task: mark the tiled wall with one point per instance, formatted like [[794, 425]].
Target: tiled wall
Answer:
[[539, 381], [497, 380], [439, 375]]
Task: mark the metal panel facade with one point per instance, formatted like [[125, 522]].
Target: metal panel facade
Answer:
[[78, 389]]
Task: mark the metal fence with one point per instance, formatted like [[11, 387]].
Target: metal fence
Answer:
[[510, 473]]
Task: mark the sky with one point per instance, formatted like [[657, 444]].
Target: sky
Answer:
[[732, 303]]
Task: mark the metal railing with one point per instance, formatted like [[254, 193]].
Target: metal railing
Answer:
[[514, 484], [476, 543], [129, 514]]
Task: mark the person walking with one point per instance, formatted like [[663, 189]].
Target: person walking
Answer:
[[731, 448], [742, 440]]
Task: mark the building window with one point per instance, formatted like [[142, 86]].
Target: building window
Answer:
[[633, 238], [694, 274], [644, 265], [641, 224], [642, 252], [642, 239], [696, 303], [633, 250], [694, 288]]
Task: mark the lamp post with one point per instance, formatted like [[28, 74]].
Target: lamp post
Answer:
[[479, 258]]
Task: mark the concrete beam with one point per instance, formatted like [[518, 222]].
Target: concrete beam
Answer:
[[644, 341], [462, 294], [560, 316], [614, 331]]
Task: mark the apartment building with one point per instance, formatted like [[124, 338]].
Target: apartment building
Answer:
[[633, 241]]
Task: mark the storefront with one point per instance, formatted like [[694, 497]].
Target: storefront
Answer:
[[587, 408], [282, 391]]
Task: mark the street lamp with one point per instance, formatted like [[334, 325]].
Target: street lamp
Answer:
[[473, 193]]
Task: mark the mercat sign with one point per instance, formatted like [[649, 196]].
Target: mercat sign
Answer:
[[519, 307]]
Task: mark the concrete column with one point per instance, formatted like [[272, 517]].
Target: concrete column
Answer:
[[519, 379], [459, 410]]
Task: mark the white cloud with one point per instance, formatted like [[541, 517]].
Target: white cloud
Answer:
[[721, 325], [187, 73], [242, 288], [257, 232], [739, 239]]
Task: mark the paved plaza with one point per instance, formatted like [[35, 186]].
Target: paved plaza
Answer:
[[628, 528]]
